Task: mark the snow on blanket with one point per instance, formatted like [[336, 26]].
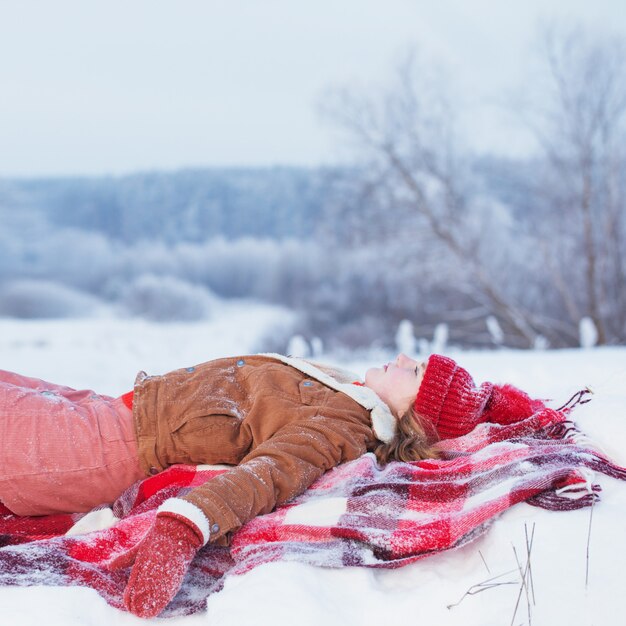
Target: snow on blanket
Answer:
[[357, 514]]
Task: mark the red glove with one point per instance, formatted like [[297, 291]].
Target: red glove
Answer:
[[160, 561]]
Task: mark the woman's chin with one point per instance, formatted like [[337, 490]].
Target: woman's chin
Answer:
[[372, 376]]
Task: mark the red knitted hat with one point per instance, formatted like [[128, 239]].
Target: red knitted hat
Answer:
[[449, 399]]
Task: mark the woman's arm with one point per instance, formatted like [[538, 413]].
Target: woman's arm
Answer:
[[276, 471]]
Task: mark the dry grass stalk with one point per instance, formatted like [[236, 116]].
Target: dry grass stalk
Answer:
[[484, 562], [589, 541], [526, 576], [483, 586]]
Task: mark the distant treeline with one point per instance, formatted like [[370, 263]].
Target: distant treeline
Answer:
[[189, 205], [325, 243]]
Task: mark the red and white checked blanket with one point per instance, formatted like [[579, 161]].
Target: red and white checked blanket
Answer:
[[356, 514]]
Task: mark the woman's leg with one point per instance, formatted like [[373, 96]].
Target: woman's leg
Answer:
[[26, 382], [36, 384], [63, 450]]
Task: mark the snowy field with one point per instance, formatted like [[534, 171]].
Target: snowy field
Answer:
[[105, 354]]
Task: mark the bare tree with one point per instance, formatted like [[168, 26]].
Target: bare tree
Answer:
[[579, 119], [411, 154]]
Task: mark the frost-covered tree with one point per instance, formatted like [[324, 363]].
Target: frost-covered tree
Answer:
[[422, 206], [534, 260], [40, 299], [577, 112], [166, 299]]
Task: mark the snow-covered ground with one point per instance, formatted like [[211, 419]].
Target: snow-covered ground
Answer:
[[105, 354]]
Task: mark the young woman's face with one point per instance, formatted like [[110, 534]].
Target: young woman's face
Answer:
[[397, 383]]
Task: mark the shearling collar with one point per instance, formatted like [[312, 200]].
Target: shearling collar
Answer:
[[383, 421]]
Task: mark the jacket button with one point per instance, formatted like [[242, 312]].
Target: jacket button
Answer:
[[215, 528], [191, 369], [154, 470], [307, 383], [240, 363]]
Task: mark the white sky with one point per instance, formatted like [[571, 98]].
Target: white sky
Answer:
[[123, 85]]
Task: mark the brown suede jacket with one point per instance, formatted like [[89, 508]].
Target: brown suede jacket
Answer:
[[280, 427]]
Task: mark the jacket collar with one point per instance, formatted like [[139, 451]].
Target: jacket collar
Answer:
[[383, 421]]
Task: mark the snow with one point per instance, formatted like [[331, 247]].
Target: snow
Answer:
[[105, 354], [588, 333], [298, 346], [405, 337], [495, 330], [315, 513]]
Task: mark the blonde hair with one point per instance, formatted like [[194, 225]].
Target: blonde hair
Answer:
[[414, 440]]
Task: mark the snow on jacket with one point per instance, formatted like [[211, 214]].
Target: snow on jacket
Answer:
[[281, 421]]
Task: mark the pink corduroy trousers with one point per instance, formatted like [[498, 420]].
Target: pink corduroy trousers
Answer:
[[62, 450]]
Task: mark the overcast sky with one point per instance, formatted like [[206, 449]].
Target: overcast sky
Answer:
[[117, 86]]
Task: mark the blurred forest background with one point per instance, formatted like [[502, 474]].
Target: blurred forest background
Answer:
[[518, 252]]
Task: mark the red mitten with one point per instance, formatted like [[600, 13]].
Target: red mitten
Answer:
[[162, 560]]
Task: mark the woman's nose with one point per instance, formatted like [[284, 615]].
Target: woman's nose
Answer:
[[403, 360]]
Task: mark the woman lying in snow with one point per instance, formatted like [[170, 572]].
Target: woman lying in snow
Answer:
[[281, 421]]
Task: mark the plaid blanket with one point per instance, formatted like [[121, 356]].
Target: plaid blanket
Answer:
[[357, 514]]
